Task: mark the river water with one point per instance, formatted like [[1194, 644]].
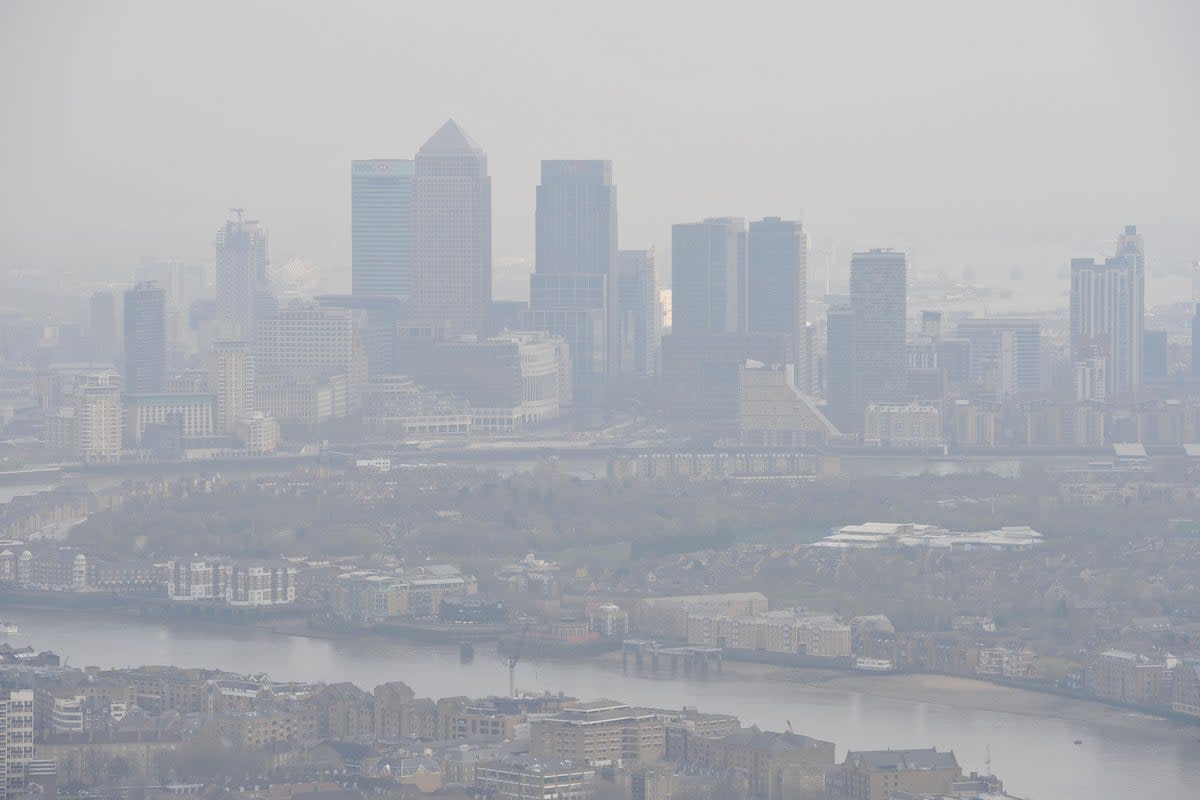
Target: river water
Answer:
[[1035, 755]]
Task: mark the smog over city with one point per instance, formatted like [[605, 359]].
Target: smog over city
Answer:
[[358, 443]]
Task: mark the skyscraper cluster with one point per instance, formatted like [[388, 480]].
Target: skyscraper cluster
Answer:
[[422, 236], [421, 346]]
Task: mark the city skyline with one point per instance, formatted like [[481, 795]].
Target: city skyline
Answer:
[[789, 163], [341, 393]]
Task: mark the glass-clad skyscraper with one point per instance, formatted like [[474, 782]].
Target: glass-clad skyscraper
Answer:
[[878, 297], [452, 245], [708, 276], [145, 339], [381, 220], [777, 288], [573, 291]]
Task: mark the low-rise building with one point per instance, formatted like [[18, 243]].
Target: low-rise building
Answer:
[[907, 425], [371, 595], [302, 399], [1185, 688], [607, 619], [79, 758], [527, 778], [510, 381], [881, 774], [901, 535], [225, 580], [761, 756], [258, 433], [194, 414], [261, 727], [784, 631], [598, 733], [460, 718], [398, 405], [1125, 677], [1006, 662], [668, 616], [773, 413]]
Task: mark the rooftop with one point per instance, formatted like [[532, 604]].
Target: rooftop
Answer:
[[450, 138], [904, 759]]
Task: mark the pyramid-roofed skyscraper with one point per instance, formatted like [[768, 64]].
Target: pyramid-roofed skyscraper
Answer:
[[452, 263]]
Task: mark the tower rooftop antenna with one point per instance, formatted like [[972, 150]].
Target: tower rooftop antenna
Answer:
[[239, 212]]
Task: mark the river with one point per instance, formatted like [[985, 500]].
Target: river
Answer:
[[1121, 755]]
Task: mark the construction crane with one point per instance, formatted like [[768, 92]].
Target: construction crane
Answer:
[[514, 659]]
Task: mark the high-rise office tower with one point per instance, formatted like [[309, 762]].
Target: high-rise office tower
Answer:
[[1005, 353], [312, 343], [102, 326], [310, 340], [777, 286], [841, 407], [1108, 316], [243, 289], [145, 339], [931, 325], [1196, 341], [231, 382], [708, 276], [639, 313], [381, 222], [452, 259], [182, 285], [878, 296], [573, 290], [1131, 250], [1156, 356], [376, 317], [576, 219]]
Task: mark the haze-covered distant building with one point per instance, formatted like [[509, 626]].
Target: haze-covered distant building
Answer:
[[708, 276], [243, 288], [452, 259], [700, 375], [381, 226], [511, 380], [1005, 354], [190, 414], [883, 774], [398, 405], [841, 404], [1108, 319], [102, 326], [878, 297], [231, 381], [92, 423], [309, 346], [773, 413], [906, 425], [777, 287], [1196, 340], [573, 290], [639, 313], [145, 339], [1155, 355]]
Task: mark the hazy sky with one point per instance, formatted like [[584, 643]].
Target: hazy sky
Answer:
[[997, 134]]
